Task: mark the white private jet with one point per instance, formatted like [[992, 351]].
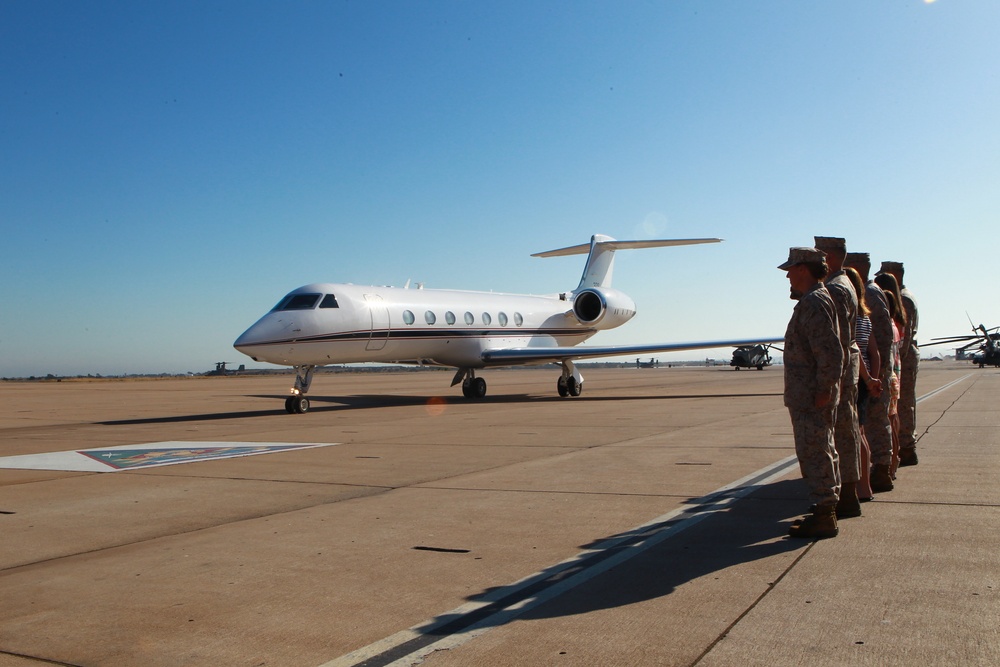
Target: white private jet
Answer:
[[322, 324]]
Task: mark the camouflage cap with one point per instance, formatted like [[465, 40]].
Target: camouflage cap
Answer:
[[891, 267], [855, 258], [801, 256], [826, 243]]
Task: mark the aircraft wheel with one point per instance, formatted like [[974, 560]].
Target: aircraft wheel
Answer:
[[478, 388], [299, 404], [572, 387], [289, 408], [562, 388]]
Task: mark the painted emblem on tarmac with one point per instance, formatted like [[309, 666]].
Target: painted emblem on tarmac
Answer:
[[149, 455]]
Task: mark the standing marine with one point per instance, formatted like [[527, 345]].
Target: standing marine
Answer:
[[814, 365], [847, 433], [909, 356]]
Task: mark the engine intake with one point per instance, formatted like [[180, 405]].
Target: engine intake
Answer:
[[607, 307]]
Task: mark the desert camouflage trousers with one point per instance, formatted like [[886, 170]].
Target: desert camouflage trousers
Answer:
[[812, 429], [847, 432], [907, 407], [877, 428]]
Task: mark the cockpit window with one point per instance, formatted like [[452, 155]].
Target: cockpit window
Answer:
[[298, 302], [329, 301]]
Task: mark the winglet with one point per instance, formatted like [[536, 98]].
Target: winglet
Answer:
[[601, 249]]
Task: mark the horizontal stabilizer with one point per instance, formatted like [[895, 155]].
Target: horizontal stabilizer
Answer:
[[601, 259], [584, 248]]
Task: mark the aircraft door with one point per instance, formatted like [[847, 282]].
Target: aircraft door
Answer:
[[380, 322]]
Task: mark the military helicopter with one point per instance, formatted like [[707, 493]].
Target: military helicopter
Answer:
[[987, 340], [751, 356]]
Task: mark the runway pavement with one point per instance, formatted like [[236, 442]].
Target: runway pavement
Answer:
[[642, 523]]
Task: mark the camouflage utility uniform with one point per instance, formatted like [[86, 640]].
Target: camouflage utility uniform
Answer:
[[814, 364], [847, 435], [909, 355], [877, 428]]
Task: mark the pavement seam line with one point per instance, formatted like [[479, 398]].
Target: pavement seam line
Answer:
[[470, 620], [35, 658], [767, 591], [802, 555], [395, 649]]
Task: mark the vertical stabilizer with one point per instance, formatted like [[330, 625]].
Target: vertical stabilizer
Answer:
[[600, 263]]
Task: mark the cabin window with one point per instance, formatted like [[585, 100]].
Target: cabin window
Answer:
[[503, 318], [518, 320], [298, 302], [430, 317], [469, 318], [329, 301], [487, 318], [449, 317], [408, 317]]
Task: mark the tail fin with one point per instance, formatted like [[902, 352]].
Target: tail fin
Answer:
[[601, 259]]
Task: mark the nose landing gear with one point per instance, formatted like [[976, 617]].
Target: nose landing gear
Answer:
[[297, 403]]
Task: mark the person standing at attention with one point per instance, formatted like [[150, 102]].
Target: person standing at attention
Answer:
[[847, 433], [814, 365], [909, 356]]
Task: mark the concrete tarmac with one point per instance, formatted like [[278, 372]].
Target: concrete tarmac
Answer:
[[643, 523]]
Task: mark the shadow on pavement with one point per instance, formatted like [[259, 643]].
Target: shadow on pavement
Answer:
[[367, 402]]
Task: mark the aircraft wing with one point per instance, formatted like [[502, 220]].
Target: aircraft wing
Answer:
[[540, 355]]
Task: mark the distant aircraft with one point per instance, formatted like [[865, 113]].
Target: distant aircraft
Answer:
[[322, 324], [986, 341], [751, 356]]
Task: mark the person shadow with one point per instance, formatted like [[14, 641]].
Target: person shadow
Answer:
[[646, 563]]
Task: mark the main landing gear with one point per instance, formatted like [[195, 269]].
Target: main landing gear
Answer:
[[570, 382], [297, 403], [472, 387]]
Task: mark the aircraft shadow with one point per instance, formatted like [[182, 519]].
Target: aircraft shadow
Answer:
[[369, 401], [747, 531]]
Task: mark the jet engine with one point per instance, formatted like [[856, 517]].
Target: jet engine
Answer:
[[604, 306]]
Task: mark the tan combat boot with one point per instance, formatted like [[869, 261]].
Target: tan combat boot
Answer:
[[848, 506], [821, 524], [881, 478]]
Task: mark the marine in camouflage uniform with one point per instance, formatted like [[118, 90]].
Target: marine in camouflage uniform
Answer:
[[909, 356], [847, 433], [814, 364], [877, 428]]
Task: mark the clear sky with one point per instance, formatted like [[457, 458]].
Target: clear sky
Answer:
[[169, 170]]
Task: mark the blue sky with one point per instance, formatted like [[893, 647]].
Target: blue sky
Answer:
[[169, 170]]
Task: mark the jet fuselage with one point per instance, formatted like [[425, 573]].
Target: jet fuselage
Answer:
[[325, 323]]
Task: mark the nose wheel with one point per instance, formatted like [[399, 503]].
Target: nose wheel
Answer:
[[296, 405]]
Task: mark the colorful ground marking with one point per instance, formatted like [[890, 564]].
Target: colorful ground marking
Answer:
[[148, 455]]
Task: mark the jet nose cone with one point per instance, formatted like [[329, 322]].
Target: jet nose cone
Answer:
[[245, 340], [249, 341]]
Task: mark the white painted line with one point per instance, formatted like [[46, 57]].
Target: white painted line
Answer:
[[148, 455], [412, 646], [947, 386]]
